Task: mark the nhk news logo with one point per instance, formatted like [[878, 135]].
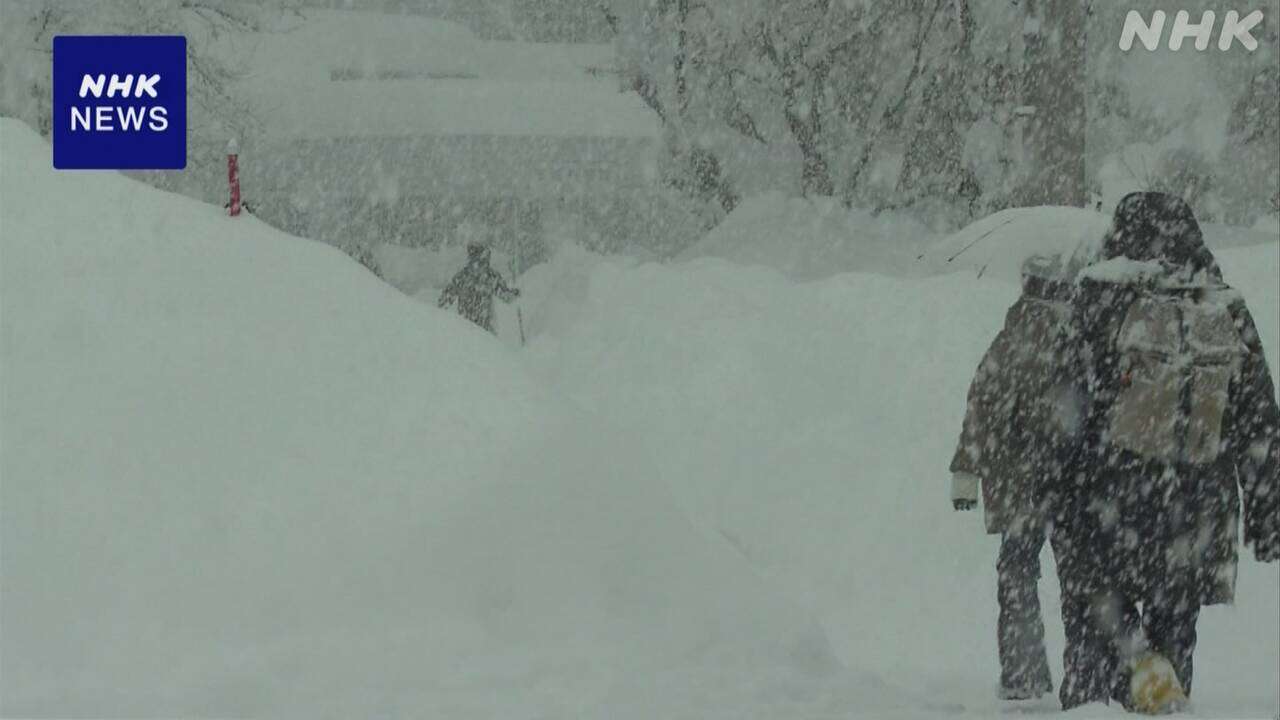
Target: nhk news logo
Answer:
[[119, 102]]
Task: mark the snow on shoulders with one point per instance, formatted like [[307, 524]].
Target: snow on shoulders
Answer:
[[1163, 277], [1123, 270]]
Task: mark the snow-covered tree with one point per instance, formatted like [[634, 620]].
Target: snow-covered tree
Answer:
[[874, 101], [664, 48], [1054, 38], [1251, 185], [934, 162], [1202, 125]]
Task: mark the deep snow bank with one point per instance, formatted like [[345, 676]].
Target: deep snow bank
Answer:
[[242, 477], [812, 426], [814, 238]]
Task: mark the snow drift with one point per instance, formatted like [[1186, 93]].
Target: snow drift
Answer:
[[814, 238], [242, 477]]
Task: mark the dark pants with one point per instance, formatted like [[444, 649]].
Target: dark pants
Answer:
[[1105, 634], [1024, 665]]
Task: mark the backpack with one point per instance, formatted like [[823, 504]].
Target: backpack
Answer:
[[1179, 351]]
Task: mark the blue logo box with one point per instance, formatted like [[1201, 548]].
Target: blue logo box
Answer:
[[119, 102]]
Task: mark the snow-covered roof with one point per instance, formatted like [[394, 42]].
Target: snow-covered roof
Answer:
[[459, 107], [345, 74]]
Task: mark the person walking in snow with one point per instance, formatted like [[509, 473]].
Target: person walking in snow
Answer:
[[1016, 433], [472, 290], [1180, 423]]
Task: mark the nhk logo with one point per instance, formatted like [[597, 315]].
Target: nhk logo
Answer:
[[1234, 28], [119, 102]]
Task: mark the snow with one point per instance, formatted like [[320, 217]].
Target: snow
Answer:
[[1122, 269], [996, 246], [423, 272], [377, 43], [411, 108], [361, 74], [811, 425], [1268, 224], [809, 239], [813, 238], [242, 477], [369, 128]]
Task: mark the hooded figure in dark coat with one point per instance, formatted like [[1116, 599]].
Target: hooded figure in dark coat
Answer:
[[1020, 421], [472, 290], [1180, 424]]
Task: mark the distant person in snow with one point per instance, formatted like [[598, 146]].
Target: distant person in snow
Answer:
[[1017, 431], [473, 288], [1180, 423]]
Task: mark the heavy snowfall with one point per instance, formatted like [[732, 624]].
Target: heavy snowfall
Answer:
[[608, 358]]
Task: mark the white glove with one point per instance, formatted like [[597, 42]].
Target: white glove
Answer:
[[964, 490]]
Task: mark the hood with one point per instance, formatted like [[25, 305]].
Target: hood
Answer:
[[1152, 227], [477, 252]]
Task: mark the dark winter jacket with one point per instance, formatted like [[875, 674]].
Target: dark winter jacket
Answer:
[[1022, 413], [473, 288], [1181, 418]]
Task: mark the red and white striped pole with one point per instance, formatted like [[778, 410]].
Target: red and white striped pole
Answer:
[[233, 176]]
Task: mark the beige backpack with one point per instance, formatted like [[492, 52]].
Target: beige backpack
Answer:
[[1179, 352]]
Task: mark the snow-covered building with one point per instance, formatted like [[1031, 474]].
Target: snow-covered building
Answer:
[[408, 130], [528, 20]]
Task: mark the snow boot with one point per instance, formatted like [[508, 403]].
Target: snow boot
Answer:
[[1154, 687]]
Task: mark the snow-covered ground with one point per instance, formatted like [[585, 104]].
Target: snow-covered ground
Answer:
[[243, 477], [239, 476], [814, 238], [811, 425]]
